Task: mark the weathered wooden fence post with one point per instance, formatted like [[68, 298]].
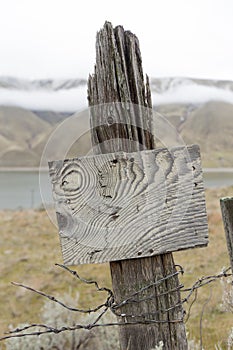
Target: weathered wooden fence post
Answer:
[[227, 216], [119, 77], [128, 204]]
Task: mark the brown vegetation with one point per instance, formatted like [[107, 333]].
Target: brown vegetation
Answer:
[[29, 247]]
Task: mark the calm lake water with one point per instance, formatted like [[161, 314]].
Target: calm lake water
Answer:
[[20, 189]]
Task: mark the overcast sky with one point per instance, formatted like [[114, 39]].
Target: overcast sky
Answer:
[[56, 38]]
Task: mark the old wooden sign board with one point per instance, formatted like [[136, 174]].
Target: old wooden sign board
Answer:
[[127, 205]]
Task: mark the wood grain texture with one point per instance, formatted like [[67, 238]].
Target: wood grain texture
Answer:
[[125, 205], [129, 277], [227, 216], [118, 77]]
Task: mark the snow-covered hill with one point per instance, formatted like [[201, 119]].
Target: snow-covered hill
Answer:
[[42, 84], [70, 95], [190, 91], [44, 95]]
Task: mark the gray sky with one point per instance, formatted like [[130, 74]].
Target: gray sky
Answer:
[[56, 38]]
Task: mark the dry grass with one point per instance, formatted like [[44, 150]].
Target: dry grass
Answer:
[[203, 262], [29, 247]]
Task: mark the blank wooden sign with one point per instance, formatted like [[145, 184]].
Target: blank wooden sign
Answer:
[[128, 205]]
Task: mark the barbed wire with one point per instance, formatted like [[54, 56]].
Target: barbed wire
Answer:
[[111, 305]]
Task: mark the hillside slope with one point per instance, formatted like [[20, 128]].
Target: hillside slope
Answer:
[[200, 110], [20, 132], [210, 125]]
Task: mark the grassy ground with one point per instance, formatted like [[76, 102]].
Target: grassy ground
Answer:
[[29, 247], [203, 262]]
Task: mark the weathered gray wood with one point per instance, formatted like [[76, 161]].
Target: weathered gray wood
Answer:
[[124, 205], [129, 276], [227, 216], [118, 77]]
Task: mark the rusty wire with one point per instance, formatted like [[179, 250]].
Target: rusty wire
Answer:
[[110, 304]]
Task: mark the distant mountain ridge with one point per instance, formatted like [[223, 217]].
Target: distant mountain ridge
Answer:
[[39, 84], [70, 95], [158, 85], [161, 85], [200, 110]]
